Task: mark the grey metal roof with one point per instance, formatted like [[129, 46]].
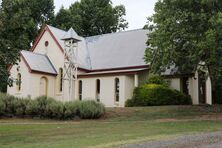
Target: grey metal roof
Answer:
[[114, 50], [123, 49], [38, 62], [114, 71], [83, 54], [71, 34]]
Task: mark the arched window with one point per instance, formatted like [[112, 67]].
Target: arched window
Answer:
[[19, 81], [98, 90], [43, 87], [116, 89], [80, 90], [60, 79]]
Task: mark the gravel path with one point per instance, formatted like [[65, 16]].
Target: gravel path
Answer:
[[207, 140]]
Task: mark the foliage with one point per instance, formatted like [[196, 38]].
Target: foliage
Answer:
[[92, 17], [91, 110], [186, 34], [155, 95], [2, 107], [55, 110], [157, 79], [71, 109], [21, 107], [45, 107], [20, 21], [9, 104]]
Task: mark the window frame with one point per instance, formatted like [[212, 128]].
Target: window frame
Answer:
[[60, 80], [80, 84], [117, 89], [19, 82], [98, 89]]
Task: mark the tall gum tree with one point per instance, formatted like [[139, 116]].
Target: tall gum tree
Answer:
[[187, 34]]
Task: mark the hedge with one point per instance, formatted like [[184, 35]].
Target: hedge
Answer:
[[156, 95], [46, 107]]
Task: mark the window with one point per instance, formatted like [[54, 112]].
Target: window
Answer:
[[98, 90], [18, 82], [60, 79], [43, 88], [80, 90], [117, 89]]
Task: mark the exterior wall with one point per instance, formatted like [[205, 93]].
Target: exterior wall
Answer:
[[30, 83], [208, 91], [194, 89], [175, 83], [25, 77], [143, 76], [34, 84], [129, 86], [107, 89], [56, 57]]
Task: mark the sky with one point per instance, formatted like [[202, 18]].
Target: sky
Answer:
[[137, 11]]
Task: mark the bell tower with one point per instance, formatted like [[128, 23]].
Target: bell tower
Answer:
[[70, 80]]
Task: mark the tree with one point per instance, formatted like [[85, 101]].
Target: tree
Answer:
[[20, 21], [186, 34], [92, 17]]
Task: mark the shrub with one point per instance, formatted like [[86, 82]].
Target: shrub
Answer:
[[71, 109], [45, 107], [91, 109], [2, 107], [32, 108], [21, 107], [155, 94], [9, 103], [41, 107], [157, 79], [54, 109]]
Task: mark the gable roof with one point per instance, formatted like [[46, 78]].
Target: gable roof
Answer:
[[114, 50], [107, 51], [38, 62]]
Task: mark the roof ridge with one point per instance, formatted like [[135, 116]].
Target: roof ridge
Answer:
[[56, 28], [113, 33], [34, 53]]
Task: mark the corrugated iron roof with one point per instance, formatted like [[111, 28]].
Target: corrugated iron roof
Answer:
[[113, 50], [123, 49], [38, 62]]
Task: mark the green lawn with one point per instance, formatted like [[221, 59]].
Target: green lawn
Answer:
[[119, 126]]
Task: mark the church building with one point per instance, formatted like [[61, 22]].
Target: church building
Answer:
[[105, 68]]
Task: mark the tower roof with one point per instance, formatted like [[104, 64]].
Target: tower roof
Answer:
[[71, 34]]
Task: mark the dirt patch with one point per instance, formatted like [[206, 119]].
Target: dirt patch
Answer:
[[213, 117]]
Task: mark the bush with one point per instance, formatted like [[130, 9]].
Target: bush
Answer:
[[21, 107], [9, 103], [91, 109], [155, 95], [32, 108], [42, 107], [157, 79], [2, 107], [45, 107], [71, 109]]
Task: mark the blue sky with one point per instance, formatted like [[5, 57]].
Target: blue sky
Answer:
[[136, 10]]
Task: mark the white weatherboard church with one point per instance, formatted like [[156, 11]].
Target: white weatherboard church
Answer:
[[105, 68]]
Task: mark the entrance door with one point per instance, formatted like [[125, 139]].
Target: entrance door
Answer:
[[43, 86], [202, 88]]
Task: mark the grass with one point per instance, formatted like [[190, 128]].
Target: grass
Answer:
[[119, 126]]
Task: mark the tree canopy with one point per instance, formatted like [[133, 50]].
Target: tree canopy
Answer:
[[92, 17], [20, 21], [187, 34]]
